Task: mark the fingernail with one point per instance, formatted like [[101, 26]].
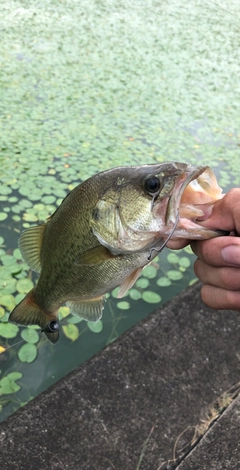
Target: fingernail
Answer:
[[231, 254]]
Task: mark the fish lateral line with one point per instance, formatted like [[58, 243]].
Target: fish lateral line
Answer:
[[167, 240]]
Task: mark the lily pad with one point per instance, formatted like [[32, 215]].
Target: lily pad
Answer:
[[5, 190], [8, 330], [184, 262], [16, 218], [17, 254], [151, 297], [39, 207], [7, 300], [30, 217], [114, 292], [14, 376], [123, 305], [14, 268], [25, 203], [48, 199], [164, 282], [173, 258], [3, 216], [142, 282], [13, 199], [27, 352], [134, 294], [2, 312], [95, 327], [63, 312], [71, 331], [74, 320], [8, 286], [19, 297], [17, 209], [43, 215], [60, 193], [8, 259], [30, 335], [8, 384], [24, 285], [150, 272], [174, 275]]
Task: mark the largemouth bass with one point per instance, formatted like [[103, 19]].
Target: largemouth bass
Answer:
[[105, 231]]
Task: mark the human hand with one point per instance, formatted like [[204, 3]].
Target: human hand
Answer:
[[218, 263]]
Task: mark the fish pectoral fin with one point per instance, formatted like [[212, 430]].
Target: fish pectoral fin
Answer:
[[30, 243], [90, 310], [96, 255], [28, 312], [128, 282]]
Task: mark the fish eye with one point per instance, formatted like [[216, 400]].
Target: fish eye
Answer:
[[152, 185]]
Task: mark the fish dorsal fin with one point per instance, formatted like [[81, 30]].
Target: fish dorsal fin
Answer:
[[90, 310], [96, 255], [30, 243], [128, 282]]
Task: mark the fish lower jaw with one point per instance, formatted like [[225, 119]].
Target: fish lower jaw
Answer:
[[193, 230]]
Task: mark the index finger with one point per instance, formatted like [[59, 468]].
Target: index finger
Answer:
[[226, 213]]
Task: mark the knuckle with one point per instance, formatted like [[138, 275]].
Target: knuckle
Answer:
[[229, 278], [232, 299], [224, 279], [232, 197]]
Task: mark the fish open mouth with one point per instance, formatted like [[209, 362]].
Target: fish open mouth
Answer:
[[196, 192]]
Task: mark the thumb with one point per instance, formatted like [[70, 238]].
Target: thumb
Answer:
[[226, 213]]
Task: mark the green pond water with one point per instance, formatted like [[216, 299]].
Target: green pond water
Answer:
[[85, 86]]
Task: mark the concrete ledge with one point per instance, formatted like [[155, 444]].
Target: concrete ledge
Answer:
[[154, 381], [220, 447]]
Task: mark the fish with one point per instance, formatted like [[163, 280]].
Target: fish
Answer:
[[105, 231]]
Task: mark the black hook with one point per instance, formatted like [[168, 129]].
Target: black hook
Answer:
[[51, 327], [168, 238]]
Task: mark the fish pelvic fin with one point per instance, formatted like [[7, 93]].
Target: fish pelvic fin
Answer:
[[89, 310], [28, 312], [128, 282], [30, 243]]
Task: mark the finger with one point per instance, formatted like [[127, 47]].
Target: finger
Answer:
[[220, 299], [226, 213], [221, 251], [226, 278], [177, 244]]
